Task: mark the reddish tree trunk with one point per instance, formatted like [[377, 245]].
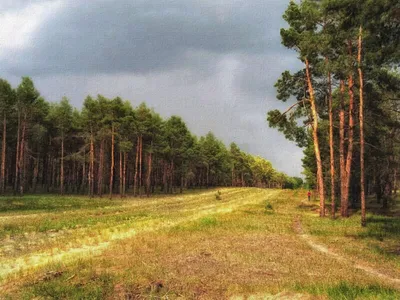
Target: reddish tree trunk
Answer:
[[136, 167], [341, 148], [91, 169], [112, 161], [124, 174], [181, 187], [331, 148], [121, 185], [148, 179], [62, 166], [140, 165], [22, 158], [349, 157], [172, 177], [17, 155], [35, 174], [83, 183], [53, 174], [165, 184], [3, 156], [207, 175], [361, 119], [100, 172], [347, 167], [314, 116]]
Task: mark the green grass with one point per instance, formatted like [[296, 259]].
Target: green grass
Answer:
[[347, 291], [46, 203], [89, 286]]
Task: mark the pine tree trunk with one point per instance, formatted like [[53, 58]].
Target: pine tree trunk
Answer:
[[17, 155], [136, 168], [361, 119], [148, 180], [349, 157], [100, 172], [165, 177], [49, 168], [25, 164], [35, 174], [22, 158], [314, 115], [83, 173], [3, 156], [140, 165], [121, 185], [124, 175], [62, 165], [91, 171], [172, 177], [346, 175], [181, 188], [207, 175], [331, 148], [53, 174], [112, 161], [341, 149]]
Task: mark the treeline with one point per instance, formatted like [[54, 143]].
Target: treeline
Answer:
[[347, 97], [110, 147]]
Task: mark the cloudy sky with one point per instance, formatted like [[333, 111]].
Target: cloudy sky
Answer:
[[213, 62]]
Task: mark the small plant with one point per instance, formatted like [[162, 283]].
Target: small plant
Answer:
[[268, 206]]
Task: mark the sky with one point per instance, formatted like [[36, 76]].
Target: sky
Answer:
[[212, 62]]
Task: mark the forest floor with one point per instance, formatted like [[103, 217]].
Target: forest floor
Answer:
[[251, 244]]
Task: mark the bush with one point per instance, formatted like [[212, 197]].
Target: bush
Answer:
[[268, 206]]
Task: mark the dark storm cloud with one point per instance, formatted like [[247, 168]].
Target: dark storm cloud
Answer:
[[144, 36], [213, 62], [260, 72]]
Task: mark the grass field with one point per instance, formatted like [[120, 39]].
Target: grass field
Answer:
[[250, 244]]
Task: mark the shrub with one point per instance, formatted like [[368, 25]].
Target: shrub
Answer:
[[268, 206]]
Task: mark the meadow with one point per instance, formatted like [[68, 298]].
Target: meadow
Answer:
[[230, 243]]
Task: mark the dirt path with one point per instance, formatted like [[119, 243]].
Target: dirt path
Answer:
[[323, 249], [40, 259]]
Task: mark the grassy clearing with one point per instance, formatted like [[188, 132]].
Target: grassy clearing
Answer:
[[197, 247]]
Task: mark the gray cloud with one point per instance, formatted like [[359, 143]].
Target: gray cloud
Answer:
[[212, 62], [144, 36]]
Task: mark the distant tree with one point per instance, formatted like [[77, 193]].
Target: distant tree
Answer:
[[26, 95], [61, 115]]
